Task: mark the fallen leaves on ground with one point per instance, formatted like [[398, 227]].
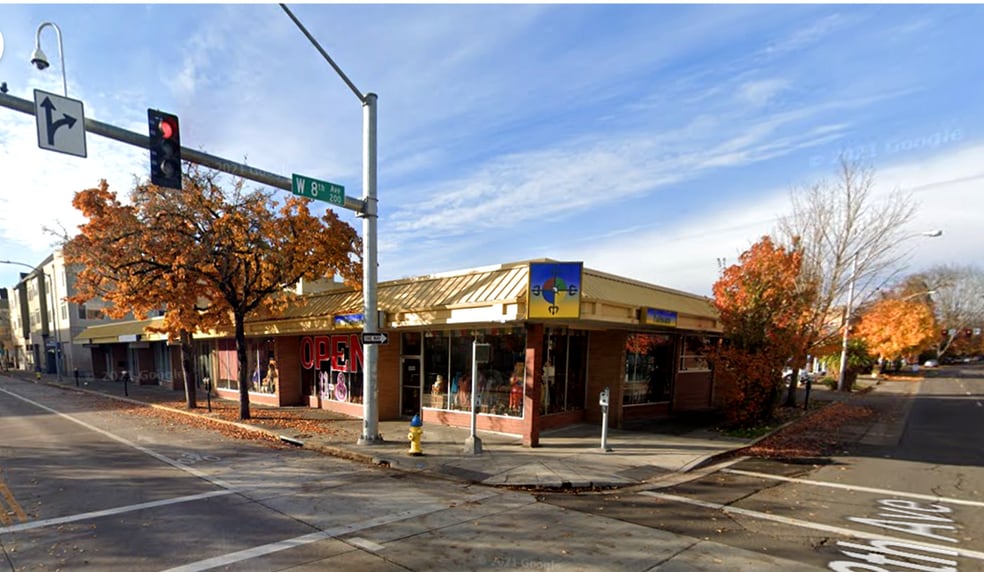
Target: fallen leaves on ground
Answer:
[[816, 435], [340, 429]]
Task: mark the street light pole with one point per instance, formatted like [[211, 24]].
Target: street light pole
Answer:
[[370, 414], [841, 386], [38, 58]]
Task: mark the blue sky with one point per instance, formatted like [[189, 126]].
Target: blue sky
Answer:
[[643, 140]]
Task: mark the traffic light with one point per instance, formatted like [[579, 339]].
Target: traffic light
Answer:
[[165, 149]]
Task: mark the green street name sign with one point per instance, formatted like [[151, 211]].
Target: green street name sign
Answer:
[[318, 190]]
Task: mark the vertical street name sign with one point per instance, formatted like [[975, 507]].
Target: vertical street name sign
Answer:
[[318, 190]]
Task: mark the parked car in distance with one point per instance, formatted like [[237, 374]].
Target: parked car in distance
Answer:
[[931, 363]]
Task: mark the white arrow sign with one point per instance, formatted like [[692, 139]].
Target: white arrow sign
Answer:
[[375, 337], [61, 123]]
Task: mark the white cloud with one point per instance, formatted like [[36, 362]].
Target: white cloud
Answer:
[[947, 185], [761, 92]]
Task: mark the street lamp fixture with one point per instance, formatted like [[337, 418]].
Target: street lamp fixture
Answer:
[[40, 60], [841, 386], [54, 318]]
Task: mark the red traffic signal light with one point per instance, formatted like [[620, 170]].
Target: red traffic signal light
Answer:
[[165, 149]]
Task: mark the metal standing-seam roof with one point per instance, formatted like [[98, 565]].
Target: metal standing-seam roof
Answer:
[[505, 283], [500, 284]]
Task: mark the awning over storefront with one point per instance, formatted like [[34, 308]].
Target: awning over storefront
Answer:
[[116, 332]]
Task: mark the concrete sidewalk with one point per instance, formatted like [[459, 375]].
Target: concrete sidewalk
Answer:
[[571, 457]]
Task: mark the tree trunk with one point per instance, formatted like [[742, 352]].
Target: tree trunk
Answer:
[[240, 320], [187, 370], [791, 391]]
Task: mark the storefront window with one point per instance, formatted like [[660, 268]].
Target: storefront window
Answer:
[[447, 371], [264, 373], [648, 368], [331, 367], [565, 359], [695, 352]]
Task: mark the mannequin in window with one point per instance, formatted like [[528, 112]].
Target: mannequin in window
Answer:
[[547, 387], [270, 381]]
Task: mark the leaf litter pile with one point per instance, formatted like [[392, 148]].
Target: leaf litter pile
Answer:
[[816, 435], [297, 423]]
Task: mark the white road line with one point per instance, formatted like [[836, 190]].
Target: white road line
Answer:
[[366, 544], [215, 481], [109, 512], [885, 492], [258, 551], [812, 525]]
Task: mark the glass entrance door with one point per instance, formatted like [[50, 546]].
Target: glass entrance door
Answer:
[[410, 386]]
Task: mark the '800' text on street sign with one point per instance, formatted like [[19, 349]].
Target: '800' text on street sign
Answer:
[[318, 190]]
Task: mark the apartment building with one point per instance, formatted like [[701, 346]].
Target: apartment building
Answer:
[[43, 322]]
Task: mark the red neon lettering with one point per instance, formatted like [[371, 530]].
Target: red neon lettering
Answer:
[[324, 352], [355, 345], [307, 352], [338, 354]]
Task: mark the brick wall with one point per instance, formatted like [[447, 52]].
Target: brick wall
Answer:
[[388, 378], [606, 368], [288, 351]]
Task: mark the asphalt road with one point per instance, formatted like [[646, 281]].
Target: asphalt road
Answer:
[[92, 485], [920, 495], [87, 483]]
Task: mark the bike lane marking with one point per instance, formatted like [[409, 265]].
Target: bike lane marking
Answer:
[[885, 492], [840, 530]]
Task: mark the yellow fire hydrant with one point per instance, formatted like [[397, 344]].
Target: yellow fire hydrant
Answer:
[[416, 431]]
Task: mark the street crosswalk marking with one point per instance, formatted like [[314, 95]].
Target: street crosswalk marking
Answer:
[[884, 492], [843, 531]]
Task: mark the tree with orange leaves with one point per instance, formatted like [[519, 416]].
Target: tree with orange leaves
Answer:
[[761, 302], [209, 256], [896, 327]]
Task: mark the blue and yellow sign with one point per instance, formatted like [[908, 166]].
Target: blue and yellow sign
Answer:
[[554, 290], [657, 317], [349, 320]]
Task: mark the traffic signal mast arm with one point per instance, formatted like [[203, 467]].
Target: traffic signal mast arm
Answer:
[[190, 155]]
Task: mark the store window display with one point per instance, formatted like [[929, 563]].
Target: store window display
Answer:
[[648, 368], [447, 368], [564, 366]]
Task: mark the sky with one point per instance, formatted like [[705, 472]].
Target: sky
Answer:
[[648, 141]]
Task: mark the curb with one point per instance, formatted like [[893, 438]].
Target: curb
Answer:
[[326, 449]]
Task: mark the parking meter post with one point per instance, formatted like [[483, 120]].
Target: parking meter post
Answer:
[[603, 401], [806, 399], [76, 377], [208, 393], [126, 380]]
